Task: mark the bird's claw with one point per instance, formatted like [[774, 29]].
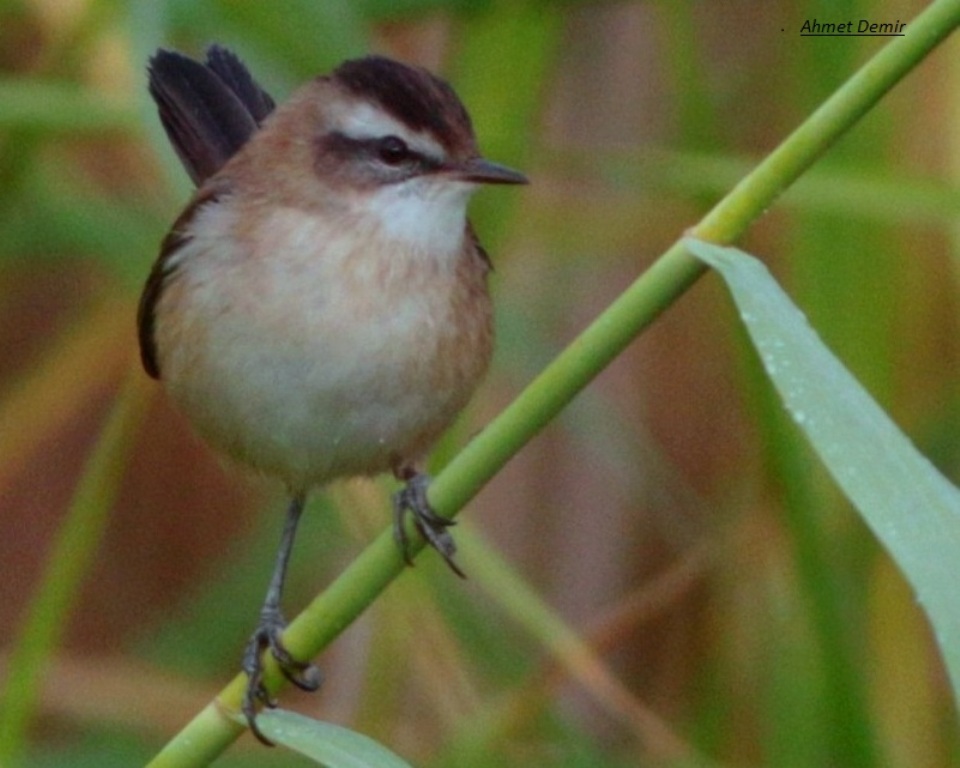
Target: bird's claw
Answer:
[[412, 499], [302, 674]]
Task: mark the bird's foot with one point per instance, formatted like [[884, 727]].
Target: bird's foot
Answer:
[[302, 674], [412, 499]]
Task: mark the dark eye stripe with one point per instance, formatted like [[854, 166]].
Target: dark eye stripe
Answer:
[[391, 151]]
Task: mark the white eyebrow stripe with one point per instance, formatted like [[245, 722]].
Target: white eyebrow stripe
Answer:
[[361, 120]]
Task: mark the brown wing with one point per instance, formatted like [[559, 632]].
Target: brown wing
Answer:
[[164, 269]]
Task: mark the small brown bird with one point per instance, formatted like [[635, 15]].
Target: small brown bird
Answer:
[[320, 307]]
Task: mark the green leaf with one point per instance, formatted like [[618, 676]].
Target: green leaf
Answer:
[[328, 744], [909, 505]]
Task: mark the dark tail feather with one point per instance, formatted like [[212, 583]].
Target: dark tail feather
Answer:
[[208, 110], [234, 73]]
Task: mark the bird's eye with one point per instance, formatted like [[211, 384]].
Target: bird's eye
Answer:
[[393, 150]]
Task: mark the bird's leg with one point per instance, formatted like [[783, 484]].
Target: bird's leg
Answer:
[[269, 629], [412, 499]]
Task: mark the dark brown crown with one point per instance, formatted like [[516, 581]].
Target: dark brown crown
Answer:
[[414, 96]]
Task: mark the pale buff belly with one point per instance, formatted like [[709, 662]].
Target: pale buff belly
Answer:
[[330, 372]]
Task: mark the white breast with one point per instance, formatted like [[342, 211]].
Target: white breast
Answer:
[[422, 214]]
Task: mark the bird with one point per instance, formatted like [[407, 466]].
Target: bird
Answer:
[[320, 307]]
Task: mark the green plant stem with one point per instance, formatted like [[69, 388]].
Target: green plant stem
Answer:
[[213, 730], [70, 559]]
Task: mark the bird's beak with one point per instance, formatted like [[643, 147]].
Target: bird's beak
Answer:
[[480, 171]]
